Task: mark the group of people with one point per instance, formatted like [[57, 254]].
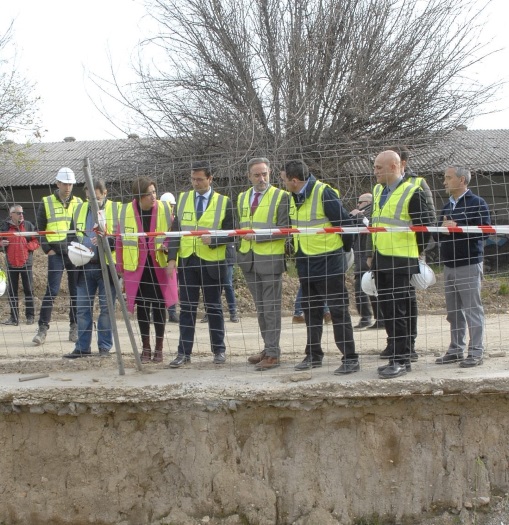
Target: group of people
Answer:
[[159, 270]]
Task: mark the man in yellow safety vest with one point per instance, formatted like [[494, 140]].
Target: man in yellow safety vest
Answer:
[[321, 264], [395, 258], [55, 215], [201, 261], [262, 257]]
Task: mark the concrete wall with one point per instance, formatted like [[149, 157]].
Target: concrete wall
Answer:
[[174, 455]]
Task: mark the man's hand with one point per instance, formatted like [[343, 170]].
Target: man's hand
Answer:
[[206, 239], [448, 223], [369, 260], [170, 269], [51, 252], [4, 243]]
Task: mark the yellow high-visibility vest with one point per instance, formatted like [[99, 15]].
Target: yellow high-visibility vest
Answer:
[[265, 216], [130, 243], [394, 213], [312, 215], [212, 219], [58, 217], [111, 212]]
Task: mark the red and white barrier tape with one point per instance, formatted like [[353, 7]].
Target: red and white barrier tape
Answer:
[[350, 230]]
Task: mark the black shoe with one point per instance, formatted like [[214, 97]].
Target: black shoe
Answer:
[[449, 358], [219, 359], [104, 353], [179, 361], [362, 326], [205, 319], [407, 365], [173, 317], [392, 370], [10, 322], [414, 356], [30, 320], [308, 363], [471, 361], [348, 367], [75, 354], [377, 325], [388, 353], [234, 318]]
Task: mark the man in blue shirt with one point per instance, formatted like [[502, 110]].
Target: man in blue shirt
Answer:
[[462, 255]]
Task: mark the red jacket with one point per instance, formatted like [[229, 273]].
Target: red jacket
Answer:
[[20, 248]]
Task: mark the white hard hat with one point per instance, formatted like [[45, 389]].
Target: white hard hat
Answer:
[[66, 175], [79, 254], [424, 278], [3, 282], [168, 197], [350, 257], [368, 284]]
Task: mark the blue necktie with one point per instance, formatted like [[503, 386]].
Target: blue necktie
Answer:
[[384, 195], [199, 206]]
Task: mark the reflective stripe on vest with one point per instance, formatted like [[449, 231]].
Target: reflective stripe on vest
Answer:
[[111, 216], [211, 219], [394, 214], [58, 218], [312, 215], [265, 216], [130, 243]]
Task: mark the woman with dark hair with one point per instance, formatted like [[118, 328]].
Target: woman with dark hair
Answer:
[[143, 262]]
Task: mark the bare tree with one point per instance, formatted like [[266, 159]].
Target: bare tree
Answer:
[[296, 75], [18, 104]]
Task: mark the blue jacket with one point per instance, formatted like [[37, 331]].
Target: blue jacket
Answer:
[[462, 249]]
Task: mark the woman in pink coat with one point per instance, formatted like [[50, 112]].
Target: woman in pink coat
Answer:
[[143, 263]]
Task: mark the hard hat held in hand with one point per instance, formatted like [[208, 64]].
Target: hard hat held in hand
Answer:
[[423, 279], [349, 259], [3, 282], [169, 198], [66, 175], [79, 254], [368, 284]]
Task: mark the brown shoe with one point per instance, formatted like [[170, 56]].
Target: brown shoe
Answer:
[[255, 359], [327, 318], [267, 363], [298, 319], [146, 355]]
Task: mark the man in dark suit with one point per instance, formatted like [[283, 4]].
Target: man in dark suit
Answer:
[[202, 261], [262, 257]]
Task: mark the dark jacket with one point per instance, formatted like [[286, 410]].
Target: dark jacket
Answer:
[[19, 252], [361, 246], [316, 267], [462, 249]]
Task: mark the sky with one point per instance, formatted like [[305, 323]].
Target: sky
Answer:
[[59, 41]]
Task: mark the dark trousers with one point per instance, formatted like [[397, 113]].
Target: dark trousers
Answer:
[[27, 281], [362, 301], [192, 278], [393, 296], [332, 291], [57, 263], [411, 299]]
